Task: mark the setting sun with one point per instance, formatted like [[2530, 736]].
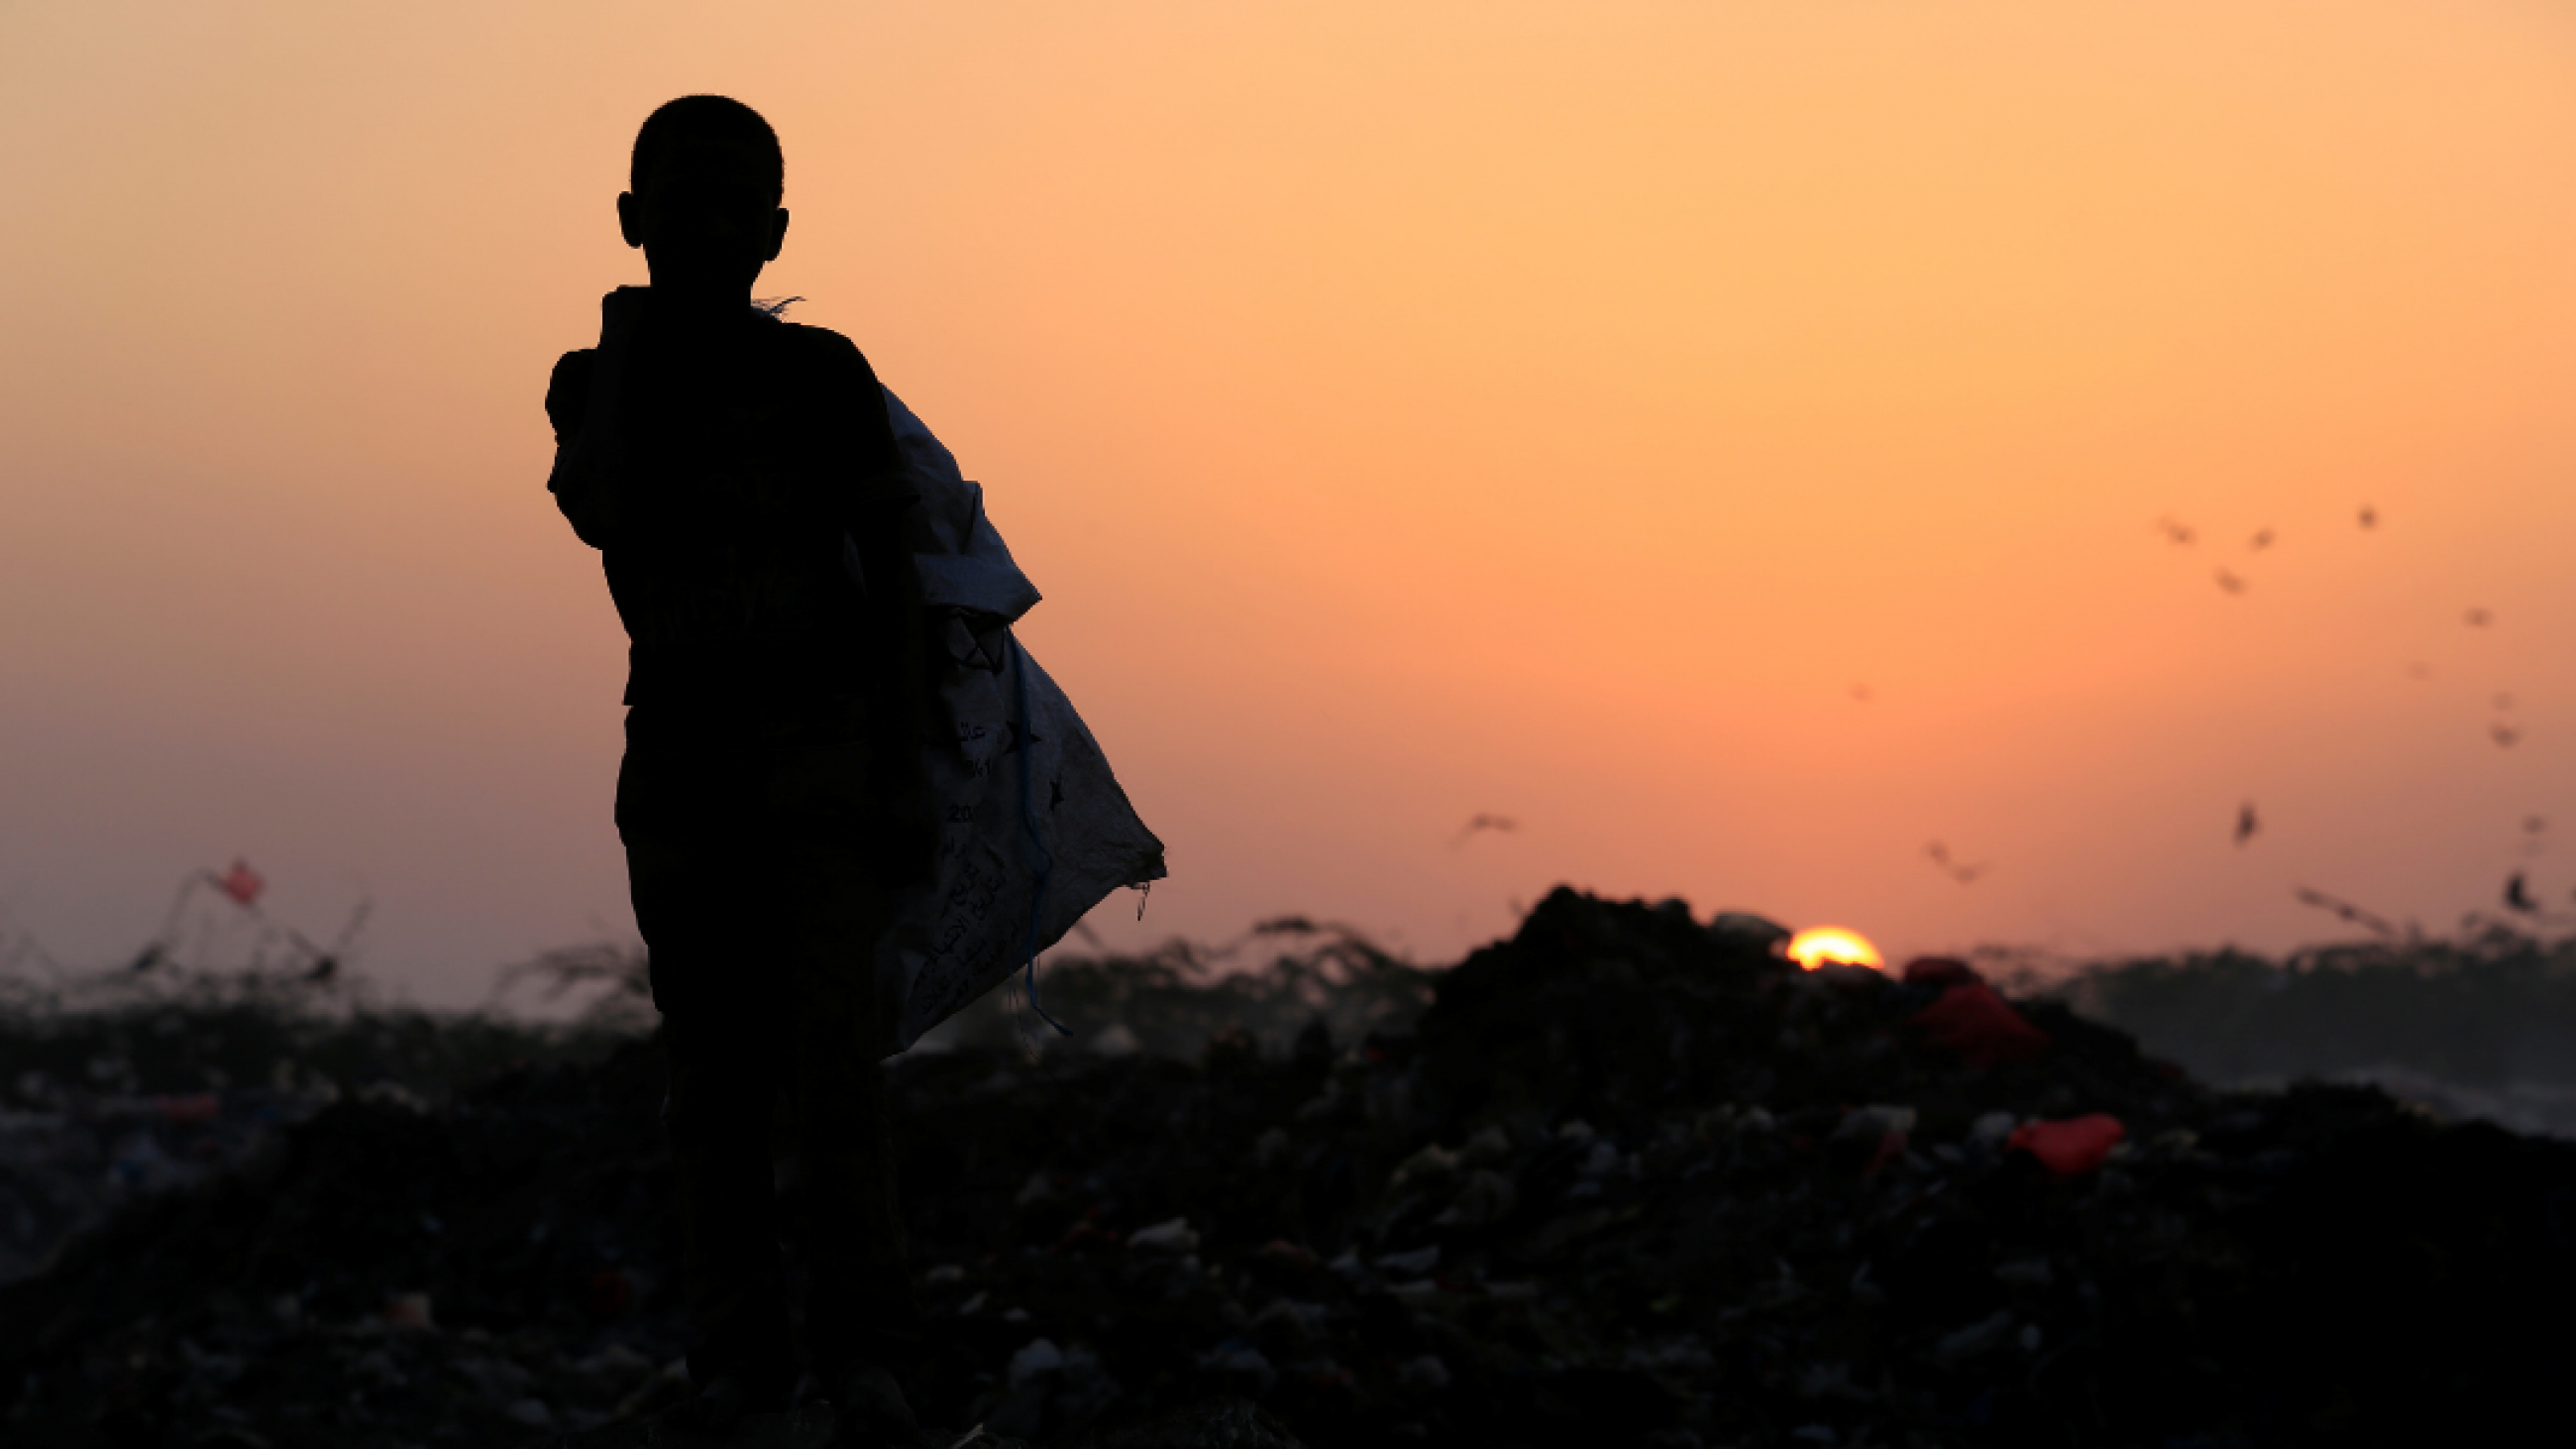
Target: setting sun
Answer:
[[1832, 945]]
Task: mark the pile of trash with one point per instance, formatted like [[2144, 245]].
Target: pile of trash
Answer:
[[1629, 1178], [126, 1085]]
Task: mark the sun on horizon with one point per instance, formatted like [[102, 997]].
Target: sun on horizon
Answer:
[[1834, 946]]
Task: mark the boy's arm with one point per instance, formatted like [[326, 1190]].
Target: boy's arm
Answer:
[[575, 487]]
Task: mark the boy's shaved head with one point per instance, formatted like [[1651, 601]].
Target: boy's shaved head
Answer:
[[693, 121], [707, 178]]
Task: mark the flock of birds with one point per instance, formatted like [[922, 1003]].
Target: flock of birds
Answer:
[[2249, 822], [2502, 730]]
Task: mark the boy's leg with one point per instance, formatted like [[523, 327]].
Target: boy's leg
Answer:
[[716, 982], [860, 1304]]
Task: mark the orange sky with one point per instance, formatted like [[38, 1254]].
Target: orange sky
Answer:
[[1409, 411]]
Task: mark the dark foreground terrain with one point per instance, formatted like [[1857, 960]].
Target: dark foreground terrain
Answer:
[[1627, 1180]]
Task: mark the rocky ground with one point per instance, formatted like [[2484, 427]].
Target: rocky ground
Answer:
[[1628, 1180]]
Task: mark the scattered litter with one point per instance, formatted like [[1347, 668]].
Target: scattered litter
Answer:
[[409, 1310], [1624, 1179], [1168, 1237], [1038, 1356], [1410, 1265]]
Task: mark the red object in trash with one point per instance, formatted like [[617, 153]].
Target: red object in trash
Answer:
[[1940, 971], [1293, 1255], [1980, 1027], [409, 1310], [189, 1111], [241, 882], [2067, 1148], [608, 1294], [1891, 1146], [1086, 1234]]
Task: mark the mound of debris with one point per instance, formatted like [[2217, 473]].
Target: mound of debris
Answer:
[[1628, 1180], [153, 1084], [2480, 1024]]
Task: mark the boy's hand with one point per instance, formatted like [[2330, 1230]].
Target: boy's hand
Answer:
[[568, 392], [575, 483]]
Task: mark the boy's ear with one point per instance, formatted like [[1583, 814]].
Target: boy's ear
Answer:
[[630, 225], [777, 234]]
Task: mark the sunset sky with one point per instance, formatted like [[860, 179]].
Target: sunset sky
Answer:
[[1733, 441]]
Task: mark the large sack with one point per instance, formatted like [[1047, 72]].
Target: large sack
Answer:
[[1036, 831]]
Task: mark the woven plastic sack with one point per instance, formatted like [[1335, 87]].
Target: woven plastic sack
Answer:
[[1036, 830]]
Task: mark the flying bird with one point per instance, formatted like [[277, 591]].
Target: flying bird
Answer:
[[2479, 618], [2369, 516], [2535, 823], [2505, 736], [2246, 823], [1963, 874], [2230, 582], [2517, 897], [1860, 692], [2177, 534], [2261, 541], [1501, 824]]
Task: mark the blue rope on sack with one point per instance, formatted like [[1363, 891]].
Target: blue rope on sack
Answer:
[[1044, 858]]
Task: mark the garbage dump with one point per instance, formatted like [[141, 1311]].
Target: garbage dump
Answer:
[[119, 1087], [1625, 1179]]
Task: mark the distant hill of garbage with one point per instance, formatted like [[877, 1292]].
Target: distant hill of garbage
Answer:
[[1626, 1178], [2482, 1025]]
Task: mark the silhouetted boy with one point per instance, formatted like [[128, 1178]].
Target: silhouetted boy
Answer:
[[738, 474]]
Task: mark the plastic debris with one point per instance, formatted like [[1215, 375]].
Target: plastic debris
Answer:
[[1167, 1237], [409, 1310], [2071, 1147], [1980, 1027]]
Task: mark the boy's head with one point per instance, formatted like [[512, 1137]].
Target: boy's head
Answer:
[[705, 184]]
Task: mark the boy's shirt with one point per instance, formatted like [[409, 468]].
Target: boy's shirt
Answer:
[[742, 480]]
